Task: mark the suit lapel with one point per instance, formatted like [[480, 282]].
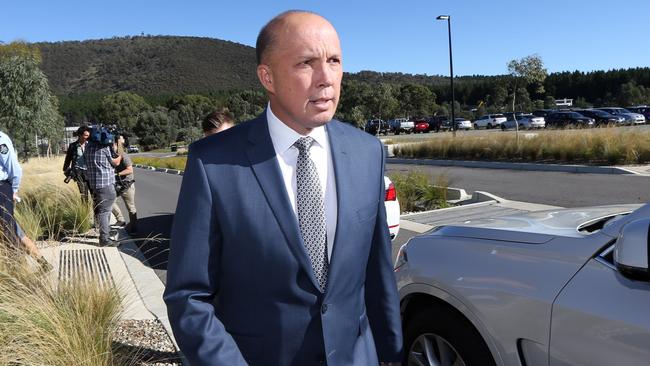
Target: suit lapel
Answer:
[[344, 178], [265, 166]]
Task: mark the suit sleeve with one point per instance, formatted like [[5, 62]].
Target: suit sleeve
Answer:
[[382, 300], [192, 277]]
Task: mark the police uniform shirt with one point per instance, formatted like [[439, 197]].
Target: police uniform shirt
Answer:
[[9, 168]]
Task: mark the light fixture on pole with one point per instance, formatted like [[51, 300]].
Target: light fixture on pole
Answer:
[[451, 71]]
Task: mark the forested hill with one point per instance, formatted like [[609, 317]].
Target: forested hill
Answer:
[[148, 65]]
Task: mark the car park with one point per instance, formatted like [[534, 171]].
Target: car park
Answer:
[[399, 125], [602, 118], [489, 121], [559, 287], [630, 117], [377, 126], [641, 109], [525, 122], [392, 208], [566, 119]]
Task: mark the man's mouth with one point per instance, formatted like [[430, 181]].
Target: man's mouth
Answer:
[[321, 102]]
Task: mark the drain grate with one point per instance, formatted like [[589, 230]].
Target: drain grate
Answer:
[[85, 265]]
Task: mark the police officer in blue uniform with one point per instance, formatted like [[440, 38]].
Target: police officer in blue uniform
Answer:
[[10, 175]]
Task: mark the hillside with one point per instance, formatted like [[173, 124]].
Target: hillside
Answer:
[[148, 65]]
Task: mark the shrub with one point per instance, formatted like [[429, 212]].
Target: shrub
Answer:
[[416, 191], [174, 162]]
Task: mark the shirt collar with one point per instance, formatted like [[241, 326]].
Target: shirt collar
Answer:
[[284, 137]]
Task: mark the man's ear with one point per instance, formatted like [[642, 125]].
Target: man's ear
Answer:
[[266, 77]]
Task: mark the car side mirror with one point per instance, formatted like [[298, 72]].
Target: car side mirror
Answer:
[[632, 250]]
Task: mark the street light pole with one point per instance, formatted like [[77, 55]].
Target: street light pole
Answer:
[[451, 72]]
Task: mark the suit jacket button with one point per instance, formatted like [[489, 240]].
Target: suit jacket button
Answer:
[[323, 309]]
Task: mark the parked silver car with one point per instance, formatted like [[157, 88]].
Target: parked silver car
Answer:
[[561, 287], [630, 117], [525, 121]]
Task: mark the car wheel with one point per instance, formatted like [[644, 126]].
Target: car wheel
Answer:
[[439, 336], [475, 126], [503, 127], [489, 126]]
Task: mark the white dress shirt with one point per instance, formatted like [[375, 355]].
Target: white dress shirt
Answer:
[[283, 138]]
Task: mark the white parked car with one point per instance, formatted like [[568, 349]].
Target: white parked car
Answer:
[[392, 208], [489, 121], [463, 124]]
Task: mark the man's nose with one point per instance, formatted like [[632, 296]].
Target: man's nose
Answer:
[[324, 75]]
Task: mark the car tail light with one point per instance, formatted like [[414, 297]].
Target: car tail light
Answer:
[[391, 194]]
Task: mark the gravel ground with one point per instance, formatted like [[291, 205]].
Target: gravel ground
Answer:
[[147, 339]]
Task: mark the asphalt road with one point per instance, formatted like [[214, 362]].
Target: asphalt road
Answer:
[[157, 193], [551, 188]]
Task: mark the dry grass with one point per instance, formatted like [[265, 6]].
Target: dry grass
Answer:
[[50, 208], [42, 323], [607, 146], [174, 162]]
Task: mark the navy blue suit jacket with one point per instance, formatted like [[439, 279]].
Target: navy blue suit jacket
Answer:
[[240, 288]]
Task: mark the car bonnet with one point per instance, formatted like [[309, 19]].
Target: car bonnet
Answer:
[[536, 227]]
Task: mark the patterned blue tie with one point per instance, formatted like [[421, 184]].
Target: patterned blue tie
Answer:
[[311, 211]]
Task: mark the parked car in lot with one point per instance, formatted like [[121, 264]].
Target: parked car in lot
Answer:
[[489, 121], [641, 109], [543, 112], [602, 118], [399, 125], [422, 127], [630, 117], [568, 119], [560, 287], [377, 126], [392, 208], [132, 149], [463, 124], [525, 122], [439, 123]]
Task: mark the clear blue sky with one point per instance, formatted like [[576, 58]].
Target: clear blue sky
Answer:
[[396, 36]]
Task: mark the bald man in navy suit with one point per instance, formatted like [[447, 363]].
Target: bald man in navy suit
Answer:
[[280, 251]]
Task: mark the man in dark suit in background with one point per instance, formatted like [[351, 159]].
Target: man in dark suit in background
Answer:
[[280, 251]]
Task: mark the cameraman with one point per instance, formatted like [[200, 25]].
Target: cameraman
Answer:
[[100, 165], [125, 188], [74, 165]]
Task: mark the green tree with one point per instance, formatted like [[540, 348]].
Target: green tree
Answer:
[[27, 108], [524, 72], [123, 109], [192, 108], [415, 100], [153, 126]]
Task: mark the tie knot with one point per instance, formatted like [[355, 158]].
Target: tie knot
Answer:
[[303, 144]]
